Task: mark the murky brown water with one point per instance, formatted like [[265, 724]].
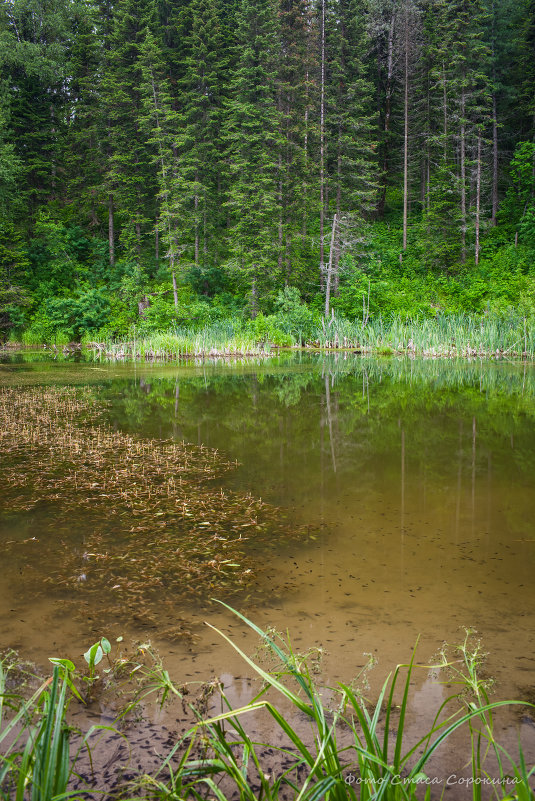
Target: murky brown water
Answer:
[[418, 478]]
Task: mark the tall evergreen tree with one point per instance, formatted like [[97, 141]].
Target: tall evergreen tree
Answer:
[[130, 177], [253, 136], [34, 66], [84, 155], [296, 96], [351, 162], [459, 113], [199, 121]]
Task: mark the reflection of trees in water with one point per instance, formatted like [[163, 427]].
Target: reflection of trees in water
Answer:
[[382, 430]]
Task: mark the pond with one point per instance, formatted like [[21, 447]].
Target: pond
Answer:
[[398, 502]]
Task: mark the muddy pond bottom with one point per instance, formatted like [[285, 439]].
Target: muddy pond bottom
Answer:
[[404, 496]]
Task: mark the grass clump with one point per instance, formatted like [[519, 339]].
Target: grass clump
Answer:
[[355, 749], [446, 335], [449, 335], [223, 339], [332, 745]]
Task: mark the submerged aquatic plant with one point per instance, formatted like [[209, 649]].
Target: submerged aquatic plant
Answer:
[[169, 532]]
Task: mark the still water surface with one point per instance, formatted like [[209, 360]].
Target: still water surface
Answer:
[[418, 478]]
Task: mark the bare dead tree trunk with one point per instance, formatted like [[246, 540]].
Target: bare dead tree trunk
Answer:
[[111, 233], [478, 195], [157, 240], [322, 145], [406, 135], [329, 270]]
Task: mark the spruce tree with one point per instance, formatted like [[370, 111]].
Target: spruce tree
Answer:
[[351, 161], [158, 124], [10, 164], [253, 137], [298, 167], [130, 177], [459, 113], [84, 155], [34, 66], [199, 120]]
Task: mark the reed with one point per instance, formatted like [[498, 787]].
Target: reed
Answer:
[[450, 336], [447, 335], [223, 339]]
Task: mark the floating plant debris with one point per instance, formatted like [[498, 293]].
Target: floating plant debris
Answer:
[[154, 527]]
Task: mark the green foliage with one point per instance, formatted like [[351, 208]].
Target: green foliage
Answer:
[[293, 316], [265, 329], [13, 297], [140, 141], [71, 318], [162, 315], [519, 204], [10, 164]]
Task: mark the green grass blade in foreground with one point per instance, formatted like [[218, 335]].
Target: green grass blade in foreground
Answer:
[[457, 724], [271, 680], [273, 645], [24, 712]]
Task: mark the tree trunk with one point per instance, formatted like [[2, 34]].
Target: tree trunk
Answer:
[[280, 256], [406, 135], [494, 161], [196, 221], [337, 246], [478, 195], [329, 270], [322, 146], [254, 303], [111, 235], [305, 153], [143, 304], [388, 113], [445, 104], [173, 273], [138, 241], [463, 178]]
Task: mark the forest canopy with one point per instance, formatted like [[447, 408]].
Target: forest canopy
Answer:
[[184, 161]]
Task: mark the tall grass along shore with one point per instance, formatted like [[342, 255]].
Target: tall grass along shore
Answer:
[[446, 336]]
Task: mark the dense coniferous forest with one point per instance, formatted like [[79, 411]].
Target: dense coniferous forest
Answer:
[[184, 161]]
